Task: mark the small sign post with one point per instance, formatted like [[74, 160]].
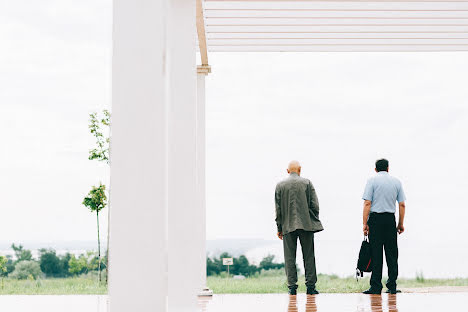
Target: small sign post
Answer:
[[228, 262]]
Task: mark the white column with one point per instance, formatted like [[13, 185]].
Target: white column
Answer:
[[183, 245], [138, 158], [200, 233]]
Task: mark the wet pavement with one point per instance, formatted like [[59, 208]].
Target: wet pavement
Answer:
[[427, 302], [52, 303], [414, 302]]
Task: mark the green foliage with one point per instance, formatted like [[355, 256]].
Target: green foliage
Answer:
[[53, 265], [10, 265], [83, 264], [49, 263], [96, 199], [99, 127], [268, 264], [3, 265], [64, 261], [21, 254], [211, 267], [3, 268], [26, 269], [214, 266], [243, 267]]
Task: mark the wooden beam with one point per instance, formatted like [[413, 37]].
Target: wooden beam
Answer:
[[201, 33]]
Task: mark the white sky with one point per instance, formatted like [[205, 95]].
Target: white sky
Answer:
[[334, 112]]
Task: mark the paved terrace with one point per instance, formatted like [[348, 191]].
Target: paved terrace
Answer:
[[450, 301]]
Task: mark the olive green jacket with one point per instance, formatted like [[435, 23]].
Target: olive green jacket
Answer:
[[297, 206]]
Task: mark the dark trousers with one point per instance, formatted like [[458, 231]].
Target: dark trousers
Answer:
[[290, 246], [383, 235]]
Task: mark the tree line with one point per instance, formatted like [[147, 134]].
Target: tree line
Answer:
[[48, 264], [241, 265]]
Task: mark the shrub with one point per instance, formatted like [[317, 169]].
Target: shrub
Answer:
[[50, 263], [26, 269], [83, 264]]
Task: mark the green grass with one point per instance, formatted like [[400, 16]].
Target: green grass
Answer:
[[325, 284], [53, 286], [269, 282]]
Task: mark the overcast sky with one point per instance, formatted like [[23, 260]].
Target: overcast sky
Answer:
[[334, 112]]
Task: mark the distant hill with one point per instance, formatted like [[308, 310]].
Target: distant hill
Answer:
[[235, 247], [57, 245]]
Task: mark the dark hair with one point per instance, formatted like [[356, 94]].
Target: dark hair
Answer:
[[381, 165]]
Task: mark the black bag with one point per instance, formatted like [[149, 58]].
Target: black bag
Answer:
[[364, 263]]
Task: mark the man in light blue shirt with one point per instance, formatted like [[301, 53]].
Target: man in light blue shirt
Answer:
[[381, 194]]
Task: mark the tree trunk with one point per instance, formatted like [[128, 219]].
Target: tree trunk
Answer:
[[99, 246], [108, 236]]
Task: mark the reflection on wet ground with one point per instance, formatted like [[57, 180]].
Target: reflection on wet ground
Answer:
[[310, 305], [337, 302], [427, 302], [78, 303]]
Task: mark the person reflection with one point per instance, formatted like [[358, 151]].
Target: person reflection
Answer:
[[376, 303], [392, 303], [292, 306], [310, 305]]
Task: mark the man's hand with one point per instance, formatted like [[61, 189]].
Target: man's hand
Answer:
[[280, 235], [365, 229], [400, 228]]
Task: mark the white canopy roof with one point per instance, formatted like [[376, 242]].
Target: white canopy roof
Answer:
[[349, 25]]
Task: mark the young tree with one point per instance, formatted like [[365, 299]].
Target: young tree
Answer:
[[96, 201], [49, 262], [3, 267], [21, 254], [99, 127]]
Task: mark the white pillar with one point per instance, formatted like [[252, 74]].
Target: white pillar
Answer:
[[183, 245], [200, 233], [138, 243]]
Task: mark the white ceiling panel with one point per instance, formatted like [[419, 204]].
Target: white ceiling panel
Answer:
[[308, 25]]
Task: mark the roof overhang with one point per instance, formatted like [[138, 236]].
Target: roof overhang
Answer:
[[349, 25]]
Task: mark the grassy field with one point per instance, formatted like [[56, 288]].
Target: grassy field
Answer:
[[53, 286], [325, 284], [265, 283]]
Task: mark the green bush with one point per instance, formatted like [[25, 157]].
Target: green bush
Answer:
[[27, 269], [83, 264], [214, 266], [273, 272]]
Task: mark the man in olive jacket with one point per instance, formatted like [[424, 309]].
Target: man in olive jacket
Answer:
[[297, 216]]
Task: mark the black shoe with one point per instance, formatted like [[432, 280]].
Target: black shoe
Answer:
[[393, 291], [312, 291], [292, 291], [371, 291]]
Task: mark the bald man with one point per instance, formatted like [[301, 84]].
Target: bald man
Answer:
[[297, 216]]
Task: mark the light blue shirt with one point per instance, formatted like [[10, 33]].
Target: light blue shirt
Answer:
[[384, 191]]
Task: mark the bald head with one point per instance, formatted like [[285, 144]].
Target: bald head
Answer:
[[294, 166]]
